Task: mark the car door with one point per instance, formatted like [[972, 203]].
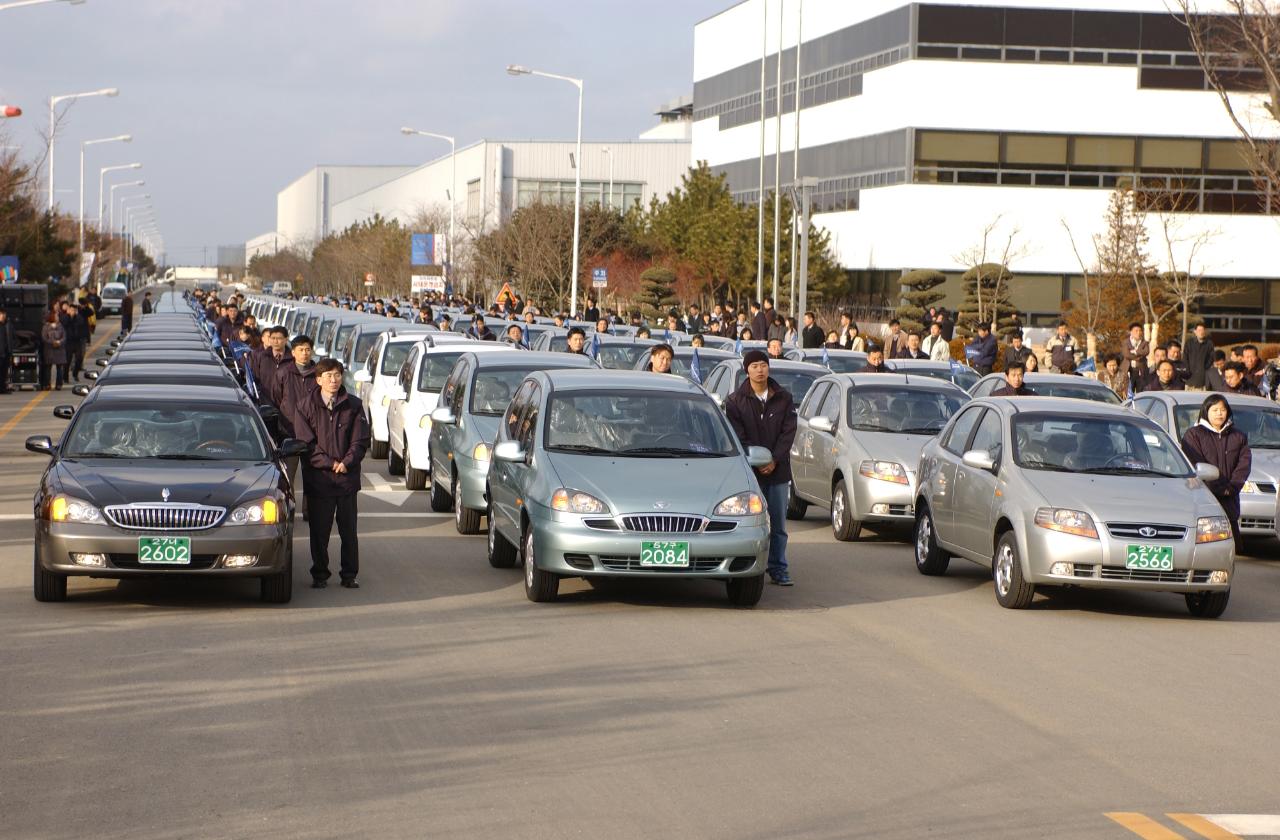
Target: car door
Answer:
[[502, 490], [441, 435], [825, 448], [943, 473], [975, 489], [397, 408], [456, 401], [802, 447]]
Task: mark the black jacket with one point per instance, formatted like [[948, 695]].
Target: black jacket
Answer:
[[337, 435], [771, 424], [1227, 450], [1008, 390], [6, 339], [265, 367], [1199, 356], [812, 336], [291, 387]]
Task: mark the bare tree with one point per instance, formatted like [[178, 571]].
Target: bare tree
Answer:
[[982, 258], [1092, 294], [1182, 280]]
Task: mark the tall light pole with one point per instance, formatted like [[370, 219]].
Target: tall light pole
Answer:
[[102, 174], [777, 157], [518, 70], [143, 212], [111, 204], [608, 151], [795, 161], [122, 138], [764, 54], [18, 4], [53, 102], [453, 189]]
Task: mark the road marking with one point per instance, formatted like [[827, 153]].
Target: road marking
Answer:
[[22, 413], [1203, 827], [1245, 825], [14, 517], [423, 515], [1143, 826]]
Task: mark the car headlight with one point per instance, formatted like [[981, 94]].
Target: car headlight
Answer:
[[574, 501], [386, 400], [67, 509], [884, 471], [481, 452], [424, 422], [1250, 487], [1067, 521], [1212, 529], [743, 504], [264, 512]]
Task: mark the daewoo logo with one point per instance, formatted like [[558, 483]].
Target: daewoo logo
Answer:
[[1147, 531]]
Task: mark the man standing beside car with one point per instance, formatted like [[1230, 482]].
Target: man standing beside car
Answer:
[[332, 422], [762, 413]]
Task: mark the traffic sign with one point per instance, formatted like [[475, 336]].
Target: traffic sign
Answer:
[[599, 278], [369, 279], [505, 294]]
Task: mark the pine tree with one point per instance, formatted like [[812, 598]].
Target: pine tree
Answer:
[[657, 292], [987, 299], [920, 295]]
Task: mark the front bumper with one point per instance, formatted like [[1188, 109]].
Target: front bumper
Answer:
[[378, 419], [565, 546], [56, 542], [1258, 514], [1100, 563], [883, 501], [472, 477]]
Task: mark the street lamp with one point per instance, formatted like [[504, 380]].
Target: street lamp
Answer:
[[18, 4], [8, 111], [111, 200], [520, 70], [53, 101], [608, 151], [101, 176], [143, 212], [121, 138], [453, 188]]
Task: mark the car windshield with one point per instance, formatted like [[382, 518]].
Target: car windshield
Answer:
[[706, 361], [841, 364], [393, 357], [620, 356], [638, 423], [363, 345], [966, 378], [1262, 425], [435, 370], [344, 332], [491, 392], [1098, 393], [1101, 445], [177, 433], [798, 382], [902, 410]]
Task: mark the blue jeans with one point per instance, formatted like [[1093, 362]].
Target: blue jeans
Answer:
[[776, 497]]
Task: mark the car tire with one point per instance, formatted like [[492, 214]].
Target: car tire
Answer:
[[466, 520], [47, 586], [395, 463], [745, 591], [414, 478], [539, 586], [1013, 591], [796, 506], [502, 554], [843, 525], [278, 588], [378, 449], [1207, 604], [441, 501], [930, 559]]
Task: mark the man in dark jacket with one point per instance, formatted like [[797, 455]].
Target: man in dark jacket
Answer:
[[1013, 384], [759, 322], [332, 421], [292, 384], [875, 362], [6, 351], [147, 306], [479, 331], [1016, 352], [76, 326], [1199, 356], [126, 315], [1236, 380], [266, 361], [812, 334], [1166, 378], [226, 325], [1173, 352], [762, 413], [981, 352], [912, 349]]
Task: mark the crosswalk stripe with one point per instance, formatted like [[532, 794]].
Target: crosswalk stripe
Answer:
[[1143, 826], [1203, 827], [1246, 825]]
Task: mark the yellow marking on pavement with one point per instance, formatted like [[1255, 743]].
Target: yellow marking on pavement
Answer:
[[1203, 827], [1143, 826], [39, 397]]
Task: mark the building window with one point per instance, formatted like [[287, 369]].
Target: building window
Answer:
[[473, 199], [626, 194]]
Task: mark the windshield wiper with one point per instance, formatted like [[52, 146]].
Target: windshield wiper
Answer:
[[673, 451], [1125, 471], [1037, 464], [98, 455], [869, 427], [579, 447], [921, 430]]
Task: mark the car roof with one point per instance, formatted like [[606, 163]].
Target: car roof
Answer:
[[708, 352], [481, 347], [530, 358], [596, 378], [1058, 406], [896, 380], [175, 368], [1198, 398], [1063, 378], [162, 395], [781, 364]]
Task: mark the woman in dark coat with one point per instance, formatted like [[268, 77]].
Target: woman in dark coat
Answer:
[[53, 337], [1214, 440]]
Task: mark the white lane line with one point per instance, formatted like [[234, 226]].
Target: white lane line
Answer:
[[18, 517], [1247, 825], [379, 483], [423, 515]]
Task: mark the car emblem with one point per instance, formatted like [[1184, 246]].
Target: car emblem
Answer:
[[661, 505], [164, 494], [1147, 531]]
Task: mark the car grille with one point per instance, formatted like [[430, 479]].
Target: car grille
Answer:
[[665, 523], [1257, 522], [632, 564], [1146, 575], [160, 516], [1130, 531], [714, 526], [130, 561]]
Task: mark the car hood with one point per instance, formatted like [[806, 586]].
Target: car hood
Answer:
[[221, 483], [483, 427], [1266, 465], [635, 485], [903, 449], [1109, 498]]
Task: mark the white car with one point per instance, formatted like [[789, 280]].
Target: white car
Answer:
[[378, 377], [416, 395], [113, 295]]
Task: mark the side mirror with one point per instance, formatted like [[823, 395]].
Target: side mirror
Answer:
[[101, 363], [979, 460], [758, 456], [819, 423], [268, 412], [64, 412], [509, 451], [90, 374], [81, 390], [362, 376], [292, 448], [443, 417], [1207, 472], [41, 445], [110, 351]]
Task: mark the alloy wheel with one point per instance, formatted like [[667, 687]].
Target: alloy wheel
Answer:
[[1004, 569]]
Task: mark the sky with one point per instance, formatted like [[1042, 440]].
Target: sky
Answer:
[[229, 101]]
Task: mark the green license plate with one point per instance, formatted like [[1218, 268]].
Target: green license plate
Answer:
[[1155, 558], [665, 555], [164, 551]]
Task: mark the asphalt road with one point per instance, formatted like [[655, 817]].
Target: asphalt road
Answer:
[[436, 701]]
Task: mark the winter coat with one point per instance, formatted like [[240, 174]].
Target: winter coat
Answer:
[[771, 424], [985, 351], [1135, 358], [1008, 390], [291, 388], [1016, 354], [1062, 353], [1227, 450], [340, 434], [6, 339], [895, 344], [1199, 356], [812, 336], [265, 366], [54, 338], [937, 347]]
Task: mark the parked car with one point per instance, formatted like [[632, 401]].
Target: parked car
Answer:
[[837, 361], [375, 380], [957, 374], [113, 295], [796, 377], [682, 361], [1051, 385]]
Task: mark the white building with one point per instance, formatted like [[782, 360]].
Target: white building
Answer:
[[926, 122], [303, 208]]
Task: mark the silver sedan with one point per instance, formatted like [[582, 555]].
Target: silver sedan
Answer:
[[1063, 492]]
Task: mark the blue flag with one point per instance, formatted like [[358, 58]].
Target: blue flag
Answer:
[[666, 336], [695, 368], [737, 346], [956, 367], [1089, 365], [595, 346], [525, 330], [826, 357]]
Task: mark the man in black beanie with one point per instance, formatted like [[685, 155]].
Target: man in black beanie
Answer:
[[762, 413]]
